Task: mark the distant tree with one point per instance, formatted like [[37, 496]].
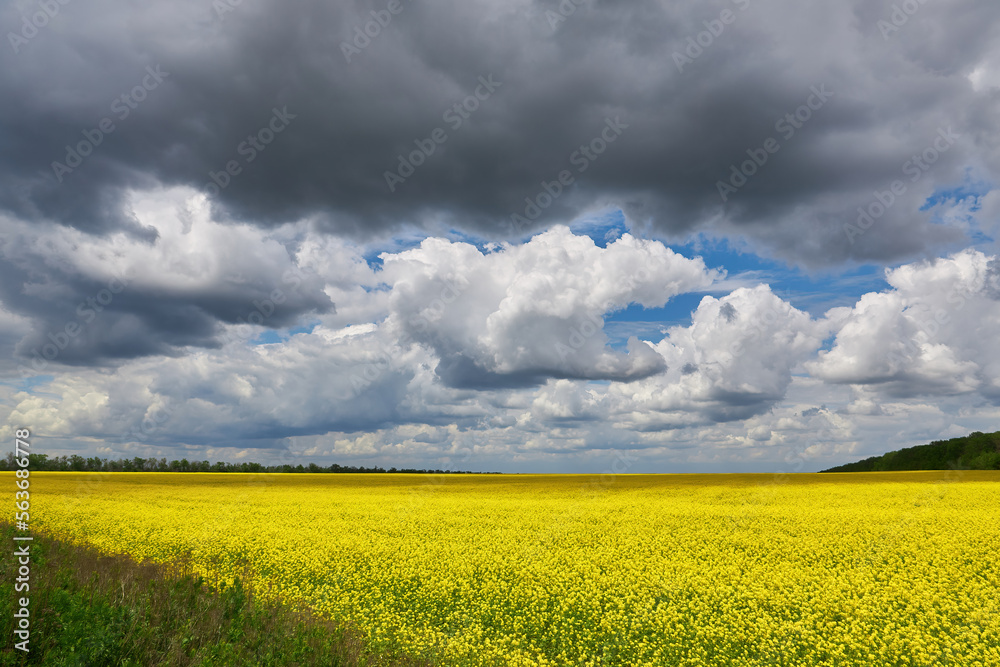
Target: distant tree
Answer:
[[36, 461], [976, 451], [984, 453]]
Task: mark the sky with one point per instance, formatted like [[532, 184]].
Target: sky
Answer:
[[518, 236]]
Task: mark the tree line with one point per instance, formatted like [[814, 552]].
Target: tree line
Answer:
[[976, 451], [77, 463]]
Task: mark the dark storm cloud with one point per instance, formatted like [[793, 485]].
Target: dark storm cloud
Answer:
[[682, 121], [80, 319], [992, 283]]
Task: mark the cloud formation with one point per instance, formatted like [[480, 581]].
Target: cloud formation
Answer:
[[734, 361], [266, 109], [525, 313], [449, 348], [933, 334], [95, 299]]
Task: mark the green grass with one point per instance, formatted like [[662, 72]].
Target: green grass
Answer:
[[93, 610]]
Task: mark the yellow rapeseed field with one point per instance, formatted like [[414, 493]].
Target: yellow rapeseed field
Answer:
[[834, 569]]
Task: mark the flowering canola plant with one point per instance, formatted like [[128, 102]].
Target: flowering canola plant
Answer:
[[690, 570]]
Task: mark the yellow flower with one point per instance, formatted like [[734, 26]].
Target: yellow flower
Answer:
[[559, 570]]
